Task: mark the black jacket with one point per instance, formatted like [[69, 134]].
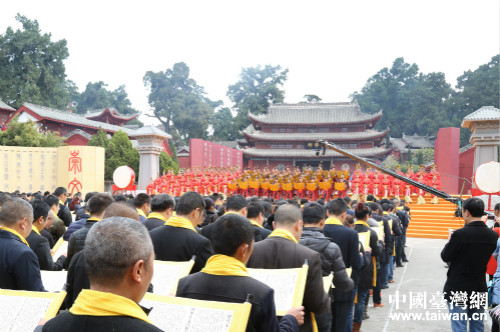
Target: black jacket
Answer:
[[331, 256], [46, 234], [65, 215], [281, 253], [152, 223], [181, 244], [76, 279], [366, 274], [77, 239], [260, 233], [76, 225], [19, 268], [468, 253], [235, 289], [41, 248], [67, 322]]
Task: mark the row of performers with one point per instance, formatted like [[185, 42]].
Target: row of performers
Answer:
[[206, 181]]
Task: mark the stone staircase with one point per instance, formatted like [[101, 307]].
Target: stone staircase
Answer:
[[433, 221]]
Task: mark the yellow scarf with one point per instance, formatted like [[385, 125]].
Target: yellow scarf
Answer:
[[35, 230], [333, 221], [255, 223], [283, 233], [361, 222], [385, 213], [15, 233], [93, 219], [222, 265], [231, 212], [141, 213], [95, 303], [61, 202], [180, 222], [156, 215]]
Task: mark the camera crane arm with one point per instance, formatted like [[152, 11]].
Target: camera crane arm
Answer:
[[424, 187]]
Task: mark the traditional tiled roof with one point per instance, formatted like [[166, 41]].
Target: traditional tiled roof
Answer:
[[317, 113], [252, 152], [412, 142], [485, 113], [64, 116], [342, 136], [466, 148], [112, 111], [71, 118], [4, 106], [150, 131], [79, 132], [229, 144]]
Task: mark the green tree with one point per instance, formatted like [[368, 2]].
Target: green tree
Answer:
[[257, 89], [222, 125], [167, 163], [409, 156], [177, 101], [27, 134], [474, 90], [120, 152], [174, 151], [428, 154], [420, 157], [312, 98], [99, 139], [32, 67], [97, 96], [411, 101]]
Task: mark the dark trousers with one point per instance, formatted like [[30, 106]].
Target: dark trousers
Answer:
[[324, 322], [403, 241], [340, 312], [399, 251], [377, 289]]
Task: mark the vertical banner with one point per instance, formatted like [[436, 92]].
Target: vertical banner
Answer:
[[80, 168]]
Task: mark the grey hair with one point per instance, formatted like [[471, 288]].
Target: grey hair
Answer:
[[287, 215], [113, 245], [14, 210]]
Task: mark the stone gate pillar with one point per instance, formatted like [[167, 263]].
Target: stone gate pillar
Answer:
[[485, 126], [150, 143]]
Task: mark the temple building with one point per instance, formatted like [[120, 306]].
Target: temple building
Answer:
[[411, 143], [287, 135], [78, 129], [5, 112]]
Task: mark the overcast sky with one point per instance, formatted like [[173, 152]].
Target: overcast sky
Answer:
[[330, 47]]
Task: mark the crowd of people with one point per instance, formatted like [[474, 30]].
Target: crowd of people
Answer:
[[307, 182], [113, 240]]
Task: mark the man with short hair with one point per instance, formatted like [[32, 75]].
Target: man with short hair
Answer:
[[162, 207], [38, 243], [19, 269], [142, 204], [331, 255], [239, 205], [468, 251], [226, 279], [178, 239], [255, 213], [348, 241], [281, 250], [45, 231], [64, 213], [77, 278], [96, 207], [118, 281], [57, 229]]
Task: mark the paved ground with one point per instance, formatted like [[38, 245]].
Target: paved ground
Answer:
[[424, 276]]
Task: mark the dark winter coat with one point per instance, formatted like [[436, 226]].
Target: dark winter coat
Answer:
[[331, 256]]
